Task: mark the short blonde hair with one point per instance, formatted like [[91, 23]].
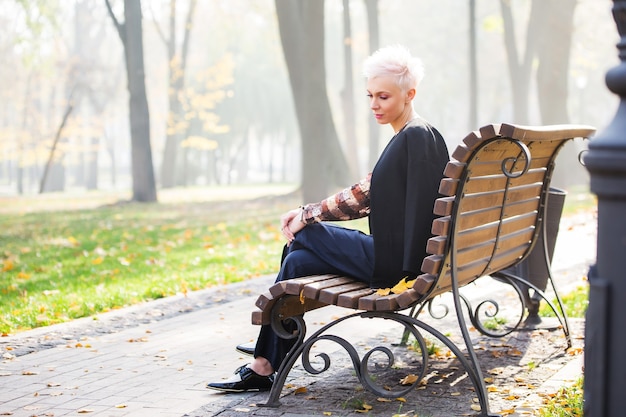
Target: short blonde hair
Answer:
[[396, 61]]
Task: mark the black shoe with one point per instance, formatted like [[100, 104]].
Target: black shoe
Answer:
[[245, 379], [246, 348]]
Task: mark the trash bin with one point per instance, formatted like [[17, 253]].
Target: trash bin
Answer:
[[534, 267]]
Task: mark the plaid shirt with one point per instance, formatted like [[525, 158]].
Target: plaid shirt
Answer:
[[348, 204]]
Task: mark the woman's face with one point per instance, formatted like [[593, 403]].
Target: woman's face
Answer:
[[388, 102]]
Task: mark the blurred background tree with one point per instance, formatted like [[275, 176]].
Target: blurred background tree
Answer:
[[271, 91]]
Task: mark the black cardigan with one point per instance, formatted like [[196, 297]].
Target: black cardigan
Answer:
[[404, 187]]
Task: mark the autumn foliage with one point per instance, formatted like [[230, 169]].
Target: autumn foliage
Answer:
[[58, 266]]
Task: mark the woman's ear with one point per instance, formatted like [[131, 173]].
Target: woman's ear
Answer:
[[410, 95]]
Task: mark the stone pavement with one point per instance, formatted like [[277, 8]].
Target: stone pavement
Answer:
[[156, 358]]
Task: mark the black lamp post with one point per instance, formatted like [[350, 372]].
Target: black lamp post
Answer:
[[605, 334]]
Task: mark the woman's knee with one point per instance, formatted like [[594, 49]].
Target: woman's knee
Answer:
[[301, 262]]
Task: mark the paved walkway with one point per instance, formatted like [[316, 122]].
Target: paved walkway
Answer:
[[155, 359]]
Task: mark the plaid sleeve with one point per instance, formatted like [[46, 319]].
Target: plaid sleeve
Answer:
[[350, 203]]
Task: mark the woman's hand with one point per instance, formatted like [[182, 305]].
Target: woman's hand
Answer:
[[290, 224]]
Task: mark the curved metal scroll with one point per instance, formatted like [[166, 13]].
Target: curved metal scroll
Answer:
[[481, 310], [513, 160], [412, 324], [562, 318]]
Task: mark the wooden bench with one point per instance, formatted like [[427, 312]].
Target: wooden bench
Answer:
[[494, 193]]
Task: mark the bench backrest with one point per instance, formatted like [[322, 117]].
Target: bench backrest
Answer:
[[495, 188], [494, 192]]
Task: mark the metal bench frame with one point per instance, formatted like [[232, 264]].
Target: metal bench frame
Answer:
[[526, 158]]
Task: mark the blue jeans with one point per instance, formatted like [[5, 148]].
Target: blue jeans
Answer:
[[318, 249]]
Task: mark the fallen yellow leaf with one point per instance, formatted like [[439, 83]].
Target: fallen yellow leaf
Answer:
[[400, 287], [30, 373], [7, 265], [507, 412], [300, 390], [575, 351], [409, 379], [365, 408]]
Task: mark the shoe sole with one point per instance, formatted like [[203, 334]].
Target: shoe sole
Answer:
[[234, 391], [245, 352]]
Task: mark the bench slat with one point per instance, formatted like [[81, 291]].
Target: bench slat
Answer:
[[469, 272], [479, 184], [487, 248], [496, 149], [368, 302], [292, 305], [481, 201], [264, 300], [552, 132], [331, 295], [486, 216], [436, 245], [295, 286], [441, 226], [313, 290], [260, 317], [350, 299], [486, 232]]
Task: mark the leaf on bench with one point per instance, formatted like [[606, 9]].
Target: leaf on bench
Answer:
[[399, 288]]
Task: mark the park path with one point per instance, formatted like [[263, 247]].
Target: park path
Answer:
[[156, 358]]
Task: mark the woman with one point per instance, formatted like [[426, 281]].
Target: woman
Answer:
[[398, 196]]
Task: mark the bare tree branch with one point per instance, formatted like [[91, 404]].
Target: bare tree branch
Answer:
[[68, 111], [188, 25], [156, 23], [116, 22]]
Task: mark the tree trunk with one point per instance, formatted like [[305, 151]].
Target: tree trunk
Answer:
[[177, 64], [374, 42], [301, 26], [552, 83], [520, 70], [91, 170], [144, 187], [553, 69], [347, 96], [473, 69]]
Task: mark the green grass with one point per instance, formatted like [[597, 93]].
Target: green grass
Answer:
[[66, 256], [575, 303], [58, 266], [579, 199], [567, 402]]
